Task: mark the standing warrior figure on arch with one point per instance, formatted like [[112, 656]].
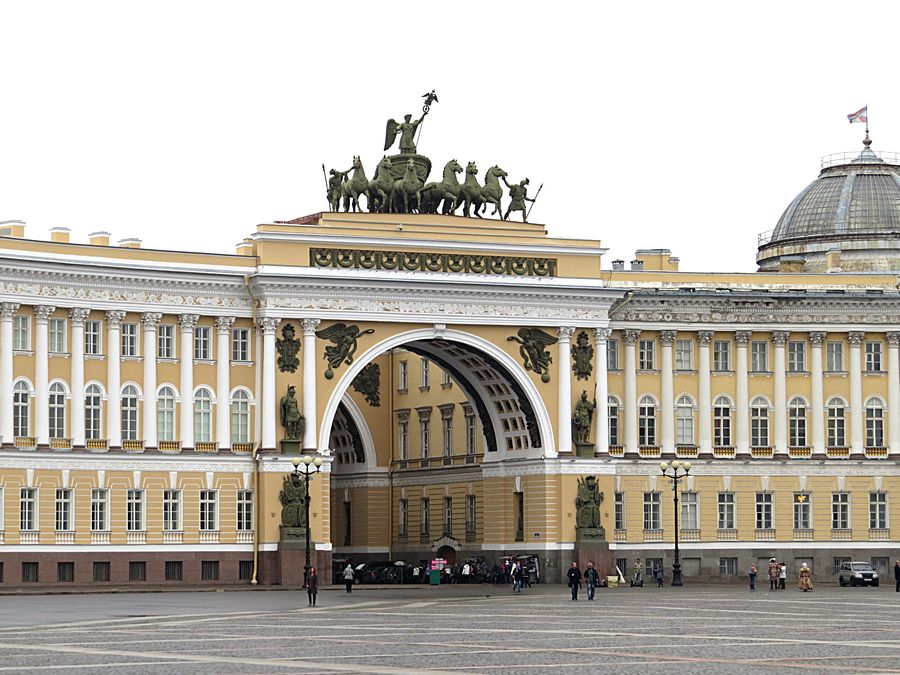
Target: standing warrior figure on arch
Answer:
[[518, 194]]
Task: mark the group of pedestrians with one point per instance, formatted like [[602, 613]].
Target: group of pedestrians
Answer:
[[777, 572], [591, 579]]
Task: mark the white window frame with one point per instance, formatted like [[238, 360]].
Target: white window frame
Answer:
[[759, 356], [878, 510], [471, 514], [796, 353], [646, 354], [612, 355], [203, 415], [165, 341], [765, 507], [726, 511], [135, 510], [722, 436], [93, 337], [244, 512], [471, 442], [403, 438], [647, 422], [172, 510], [425, 374], [836, 424], [21, 408], [29, 503], [403, 375], [166, 407], [802, 511], [209, 510], [834, 356], [93, 422], [684, 354], [652, 506], [240, 345], [612, 415], [203, 343], [99, 509], [619, 511], [684, 421], [130, 412], [22, 333], [240, 416], [797, 428], [759, 423], [721, 356], [690, 510], [65, 509], [57, 334], [840, 510], [874, 355], [131, 340], [403, 517]]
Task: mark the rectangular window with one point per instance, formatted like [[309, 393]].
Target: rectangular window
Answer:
[[834, 357], [470, 434], [240, 344], [448, 516], [727, 567], [348, 523], [763, 510], [447, 433], [802, 511], [173, 570], [759, 356], [403, 439], [651, 511], [646, 355], [99, 510], [92, 341], [403, 376], [619, 522], [245, 510], [721, 355], [101, 571], [840, 511], [403, 523], [135, 511], [137, 570], [690, 519], [57, 336], [759, 425], [28, 503], [245, 570], [129, 339], [172, 510], [209, 570], [836, 563], [22, 333], [471, 514], [65, 507], [65, 572], [425, 525], [520, 515], [165, 341], [445, 379], [881, 563], [209, 516], [30, 572], [612, 354], [684, 355], [873, 357], [425, 373], [796, 357], [425, 436], [726, 511], [202, 343], [878, 511]]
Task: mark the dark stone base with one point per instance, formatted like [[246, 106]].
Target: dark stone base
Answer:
[[292, 537], [596, 551], [584, 449], [293, 448]]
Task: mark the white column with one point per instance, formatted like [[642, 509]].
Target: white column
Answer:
[[150, 320], [77, 316], [223, 380], [667, 393], [186, 384], [41, 377], [857, 440], [267, 327], [893, 340], [114, 377], [564, 395], [630, 402], [742, 393], [601, 335], [779, 339], [817, 399], [7, 312], [704, 431], [310, 434]]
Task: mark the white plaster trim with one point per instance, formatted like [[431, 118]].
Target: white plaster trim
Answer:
[[101, 462], [763, 545], [531, 545], [136, 263], [126, 548], [359, 419]]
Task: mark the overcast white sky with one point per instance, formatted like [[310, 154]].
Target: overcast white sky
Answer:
[[681, 125]]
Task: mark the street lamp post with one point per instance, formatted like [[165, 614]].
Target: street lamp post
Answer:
[[676, 478], [310, 466]]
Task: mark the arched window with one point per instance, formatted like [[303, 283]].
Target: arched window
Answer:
[[759, 423], [797, 422], [202, 416], [21, 409], [613, 416], [93, 408], [130, 413], [837, 437], [684, 421], [647, 422], [57, 410], [874, 423], [722, 422], [240, 417], [165, 414]]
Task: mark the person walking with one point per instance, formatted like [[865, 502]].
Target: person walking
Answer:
[[805, 578], [751, 573], [774, 571], [658, 574], [348, 577], [636, 574], [312, 586], [591, 578], [782, 576], [574, 575], [897, 574], [517, 577]]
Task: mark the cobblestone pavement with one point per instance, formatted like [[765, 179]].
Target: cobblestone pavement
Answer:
[[474, 629]]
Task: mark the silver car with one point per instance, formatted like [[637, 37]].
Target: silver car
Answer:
[[857, 574]]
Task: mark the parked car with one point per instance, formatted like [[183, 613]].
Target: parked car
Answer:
[[857, 574]]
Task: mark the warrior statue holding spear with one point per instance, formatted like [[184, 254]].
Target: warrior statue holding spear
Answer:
[[518, 195]]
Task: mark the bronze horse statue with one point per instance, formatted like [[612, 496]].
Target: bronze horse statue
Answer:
[[491, 192], [470, 190], [405, 193], [379, 190], [356, 186], [447, 191]]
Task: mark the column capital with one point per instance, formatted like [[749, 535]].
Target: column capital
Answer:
[[309, 326], [8, 310], [601, 334], [42, 313], [893, 339], [224, 323], [151, 319], [114, 318], [631, 336], [742, 337], [780, 337], [188, 321], [667, 337], [816, 338], [704, 337], [267, 325], [565, 333], [78, 315], [856, 338]]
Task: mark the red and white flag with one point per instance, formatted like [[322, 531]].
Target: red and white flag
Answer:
[[861, 115]]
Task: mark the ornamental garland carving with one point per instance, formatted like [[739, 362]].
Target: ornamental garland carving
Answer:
[[412, 261], [368, 382], [582, 353], [287, 347]]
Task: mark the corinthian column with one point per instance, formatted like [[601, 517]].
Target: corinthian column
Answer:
[[667, 393], [7, 312], [77, 316], [601, 414], [630, 402], [186, 384], [817, 399], [310, 434], [223, 380], [857, 440], [41, 379], [779, 338], [704, 433], [267, 327], [742, 393], [564, 367], [150, 321], [893, 340], [114, 377]]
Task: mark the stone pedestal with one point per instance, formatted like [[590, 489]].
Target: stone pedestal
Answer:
[[292, 447], [290, 558], [584, 449], [591, 544]]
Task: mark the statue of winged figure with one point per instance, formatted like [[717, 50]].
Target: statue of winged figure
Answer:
[[343, 339], [407, 131], [533, 349]]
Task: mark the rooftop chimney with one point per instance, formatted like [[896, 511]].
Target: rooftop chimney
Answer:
[[618, 265], [130, 243], [99, 238], [12, 228], [60, 234], [245, 247], [637, 265]]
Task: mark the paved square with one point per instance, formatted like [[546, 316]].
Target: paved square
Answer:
[[475, 629]]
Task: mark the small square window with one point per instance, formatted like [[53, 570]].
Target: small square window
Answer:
[[174, 570], [137, 571], [65, 572], [101, 571], [209, 570]]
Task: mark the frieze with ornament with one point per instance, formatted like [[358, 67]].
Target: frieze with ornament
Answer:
[[412, 261]]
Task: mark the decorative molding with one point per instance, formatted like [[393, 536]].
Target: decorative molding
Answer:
[[780, 337], [126, 462], [816, 338], [893, 339], [267, 325], [42, 313], [601, 335], [8, 310], [309, 327], [742, 337], [416, 261], [439, 329], [224, 324], [188, 322], [150, 319], [631, 336], [78, 315], [565, 333], [856, 338], [114, 318], [667, 337], [704, 337]]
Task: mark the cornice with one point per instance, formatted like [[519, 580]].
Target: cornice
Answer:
[[55, 461]]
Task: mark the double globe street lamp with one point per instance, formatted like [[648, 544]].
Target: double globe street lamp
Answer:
[[676, 478], [310, 466]]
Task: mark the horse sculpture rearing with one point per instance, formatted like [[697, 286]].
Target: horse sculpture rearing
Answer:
[[356, 186], [379, 191], [404, 195], [447, 191], [491, 192]]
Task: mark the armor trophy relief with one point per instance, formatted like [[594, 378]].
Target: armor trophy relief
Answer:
[[399, 185]]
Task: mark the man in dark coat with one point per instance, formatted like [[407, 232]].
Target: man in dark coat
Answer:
[[591, 578], [897, 575], [574, 575]]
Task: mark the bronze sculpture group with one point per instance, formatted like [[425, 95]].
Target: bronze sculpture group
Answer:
[[399, 184]]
